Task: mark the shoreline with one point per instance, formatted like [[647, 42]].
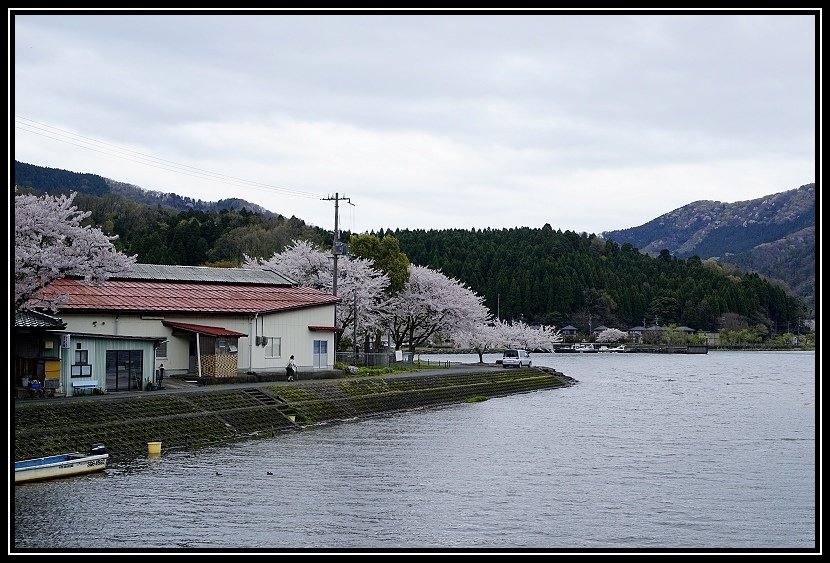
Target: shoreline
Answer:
[[204, 415]]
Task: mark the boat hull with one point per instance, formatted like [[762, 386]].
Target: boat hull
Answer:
[[58, 466]]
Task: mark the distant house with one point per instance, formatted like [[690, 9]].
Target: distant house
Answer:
[[569, 330], [635, 334], [191, 320]]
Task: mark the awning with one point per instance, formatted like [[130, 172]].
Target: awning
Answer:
[[203, 329], [319, 328]]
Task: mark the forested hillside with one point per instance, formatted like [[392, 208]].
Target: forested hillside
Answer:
[[539, 276], [55, 180], [773, 235], [554, 277], [170, 229]]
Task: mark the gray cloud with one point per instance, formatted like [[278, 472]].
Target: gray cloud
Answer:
[[588, 122]]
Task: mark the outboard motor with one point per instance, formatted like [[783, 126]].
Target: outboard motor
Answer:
[[97, 449]]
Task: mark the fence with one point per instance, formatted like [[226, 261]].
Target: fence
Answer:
[[373, 359], [383, 359]]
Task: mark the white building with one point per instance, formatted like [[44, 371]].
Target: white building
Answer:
[[205, 321]]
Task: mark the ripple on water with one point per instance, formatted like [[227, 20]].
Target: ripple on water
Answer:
[[646, 451]]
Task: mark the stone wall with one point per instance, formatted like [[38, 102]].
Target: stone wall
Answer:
[[213, 415]]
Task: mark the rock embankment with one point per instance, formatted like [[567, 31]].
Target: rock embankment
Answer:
[[213, 415]]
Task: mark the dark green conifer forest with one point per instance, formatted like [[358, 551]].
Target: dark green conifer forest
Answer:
[[546, 276], [536, 275]]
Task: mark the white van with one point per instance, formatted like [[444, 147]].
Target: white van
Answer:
[[516, 358]]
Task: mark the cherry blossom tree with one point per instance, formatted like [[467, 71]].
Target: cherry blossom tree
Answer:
[[611, 335], [386, 255], [520, 335], [301, 262], [431, 302], [481, 338], [486, 336], [51, 243], [360, 286]]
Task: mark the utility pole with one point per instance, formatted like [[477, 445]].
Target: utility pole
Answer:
[[354, 331], [337, 248], [590, 325]]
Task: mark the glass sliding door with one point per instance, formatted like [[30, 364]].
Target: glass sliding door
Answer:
[[125, 369]]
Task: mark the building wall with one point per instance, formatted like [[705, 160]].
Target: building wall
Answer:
[[97, 349], [290, 326]]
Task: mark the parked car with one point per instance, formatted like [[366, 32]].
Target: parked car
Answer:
[[516, 358]]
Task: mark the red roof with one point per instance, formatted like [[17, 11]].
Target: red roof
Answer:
[[203, 329], [171, 296]]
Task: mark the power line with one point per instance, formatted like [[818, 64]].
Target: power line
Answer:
[[94, 145]]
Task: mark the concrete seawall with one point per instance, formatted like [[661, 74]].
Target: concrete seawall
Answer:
[[217, 414]]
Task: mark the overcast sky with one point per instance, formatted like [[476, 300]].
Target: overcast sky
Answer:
[[586, 122]]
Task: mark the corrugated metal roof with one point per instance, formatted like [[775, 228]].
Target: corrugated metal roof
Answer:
[[169, 296], [207, 274], [203, 329]]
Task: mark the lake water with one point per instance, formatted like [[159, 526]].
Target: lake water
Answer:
[[647, 452]]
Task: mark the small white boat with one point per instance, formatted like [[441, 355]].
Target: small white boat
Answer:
[[584, 347], [620, 348], [61, 465]]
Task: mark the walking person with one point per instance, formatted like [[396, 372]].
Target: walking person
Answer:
[[291, 368]]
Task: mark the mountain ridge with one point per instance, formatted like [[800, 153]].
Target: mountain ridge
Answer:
[[773, 235], [54, 180]]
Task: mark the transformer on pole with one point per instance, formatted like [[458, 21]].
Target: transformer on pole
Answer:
[[338, 248]]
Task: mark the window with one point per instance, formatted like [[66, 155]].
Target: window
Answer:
[[84, 370], [321, 348], [273, 347], [81, 367], [161, 351]]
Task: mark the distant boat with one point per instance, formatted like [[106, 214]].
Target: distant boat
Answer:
[[61, 465], [620, 348], [578, 347]]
